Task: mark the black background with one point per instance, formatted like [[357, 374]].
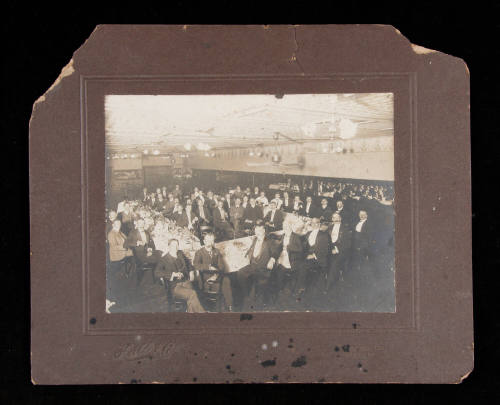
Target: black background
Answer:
[[38, 40]]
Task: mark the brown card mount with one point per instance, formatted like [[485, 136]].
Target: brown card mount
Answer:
[[427, 338]]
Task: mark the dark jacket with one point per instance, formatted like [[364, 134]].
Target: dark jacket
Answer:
[[168, 264], [343, 243], [267, 251], [203, 260], [134, 236], [311, 213], [252, 214], [362, 240], [208, 215], [320, 248], [277, 223], [287, 205], [218, 218], [324, 214], [295, 249]]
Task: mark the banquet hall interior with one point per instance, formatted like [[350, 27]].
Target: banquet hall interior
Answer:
[[312, 173]]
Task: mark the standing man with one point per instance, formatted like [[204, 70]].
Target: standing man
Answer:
[[314, 270], [290, 258], [361, 239], [262, 257], [340, 243], [274, 218], [221, 221], [324, 213], [236, 215], [145, 195], [308, 209], [251, 214], [208, 261]]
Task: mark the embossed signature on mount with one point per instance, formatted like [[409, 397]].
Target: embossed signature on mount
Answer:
[[137, 351]]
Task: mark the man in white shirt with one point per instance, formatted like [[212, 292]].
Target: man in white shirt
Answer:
[[262, 199], [262, 256], [312, 275], [340, 244], [361, 241], [297, 205], [277, 200], [308, 209], [273, 218]]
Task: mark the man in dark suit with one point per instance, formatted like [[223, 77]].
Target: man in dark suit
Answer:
[[324, 212], [210, 202], [297, 205], [287, 205], [160, 204], [209, 264], [141, 243], [308, 210], [169, 205], [221, 221], [340, 243], [274, 218], [291, 257], [361, 241], [262, 255], [312, 274], [180, 217], [251, 214], [145, 195], [203, 213], [228, 203], [236, 215], [174, 268]]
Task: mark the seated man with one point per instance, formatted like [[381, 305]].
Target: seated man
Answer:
[[191, 217], [287, 203], [221, 222], [274, 218], [251, 214], [297, 205], [324, 212], [209, 264], [141, 243], [262, 199], [110, 220], [262, 255], [116, 240], [308, 210], [277, 200], [173, 267]]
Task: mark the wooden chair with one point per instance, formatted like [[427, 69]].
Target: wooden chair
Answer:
[[211, 293], [175, 304], [141, 268]]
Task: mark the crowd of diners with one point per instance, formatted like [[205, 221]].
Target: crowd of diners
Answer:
[[345, 231]]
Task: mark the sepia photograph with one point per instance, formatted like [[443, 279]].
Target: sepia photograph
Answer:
[[250, 203]]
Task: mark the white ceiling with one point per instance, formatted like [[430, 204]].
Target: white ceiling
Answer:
[[167, 123]]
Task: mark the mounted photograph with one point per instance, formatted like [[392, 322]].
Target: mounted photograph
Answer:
[[241, 203]]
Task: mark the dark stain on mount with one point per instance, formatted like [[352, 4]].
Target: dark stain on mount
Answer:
[[299, 362], [246, 317], [268, 363]]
